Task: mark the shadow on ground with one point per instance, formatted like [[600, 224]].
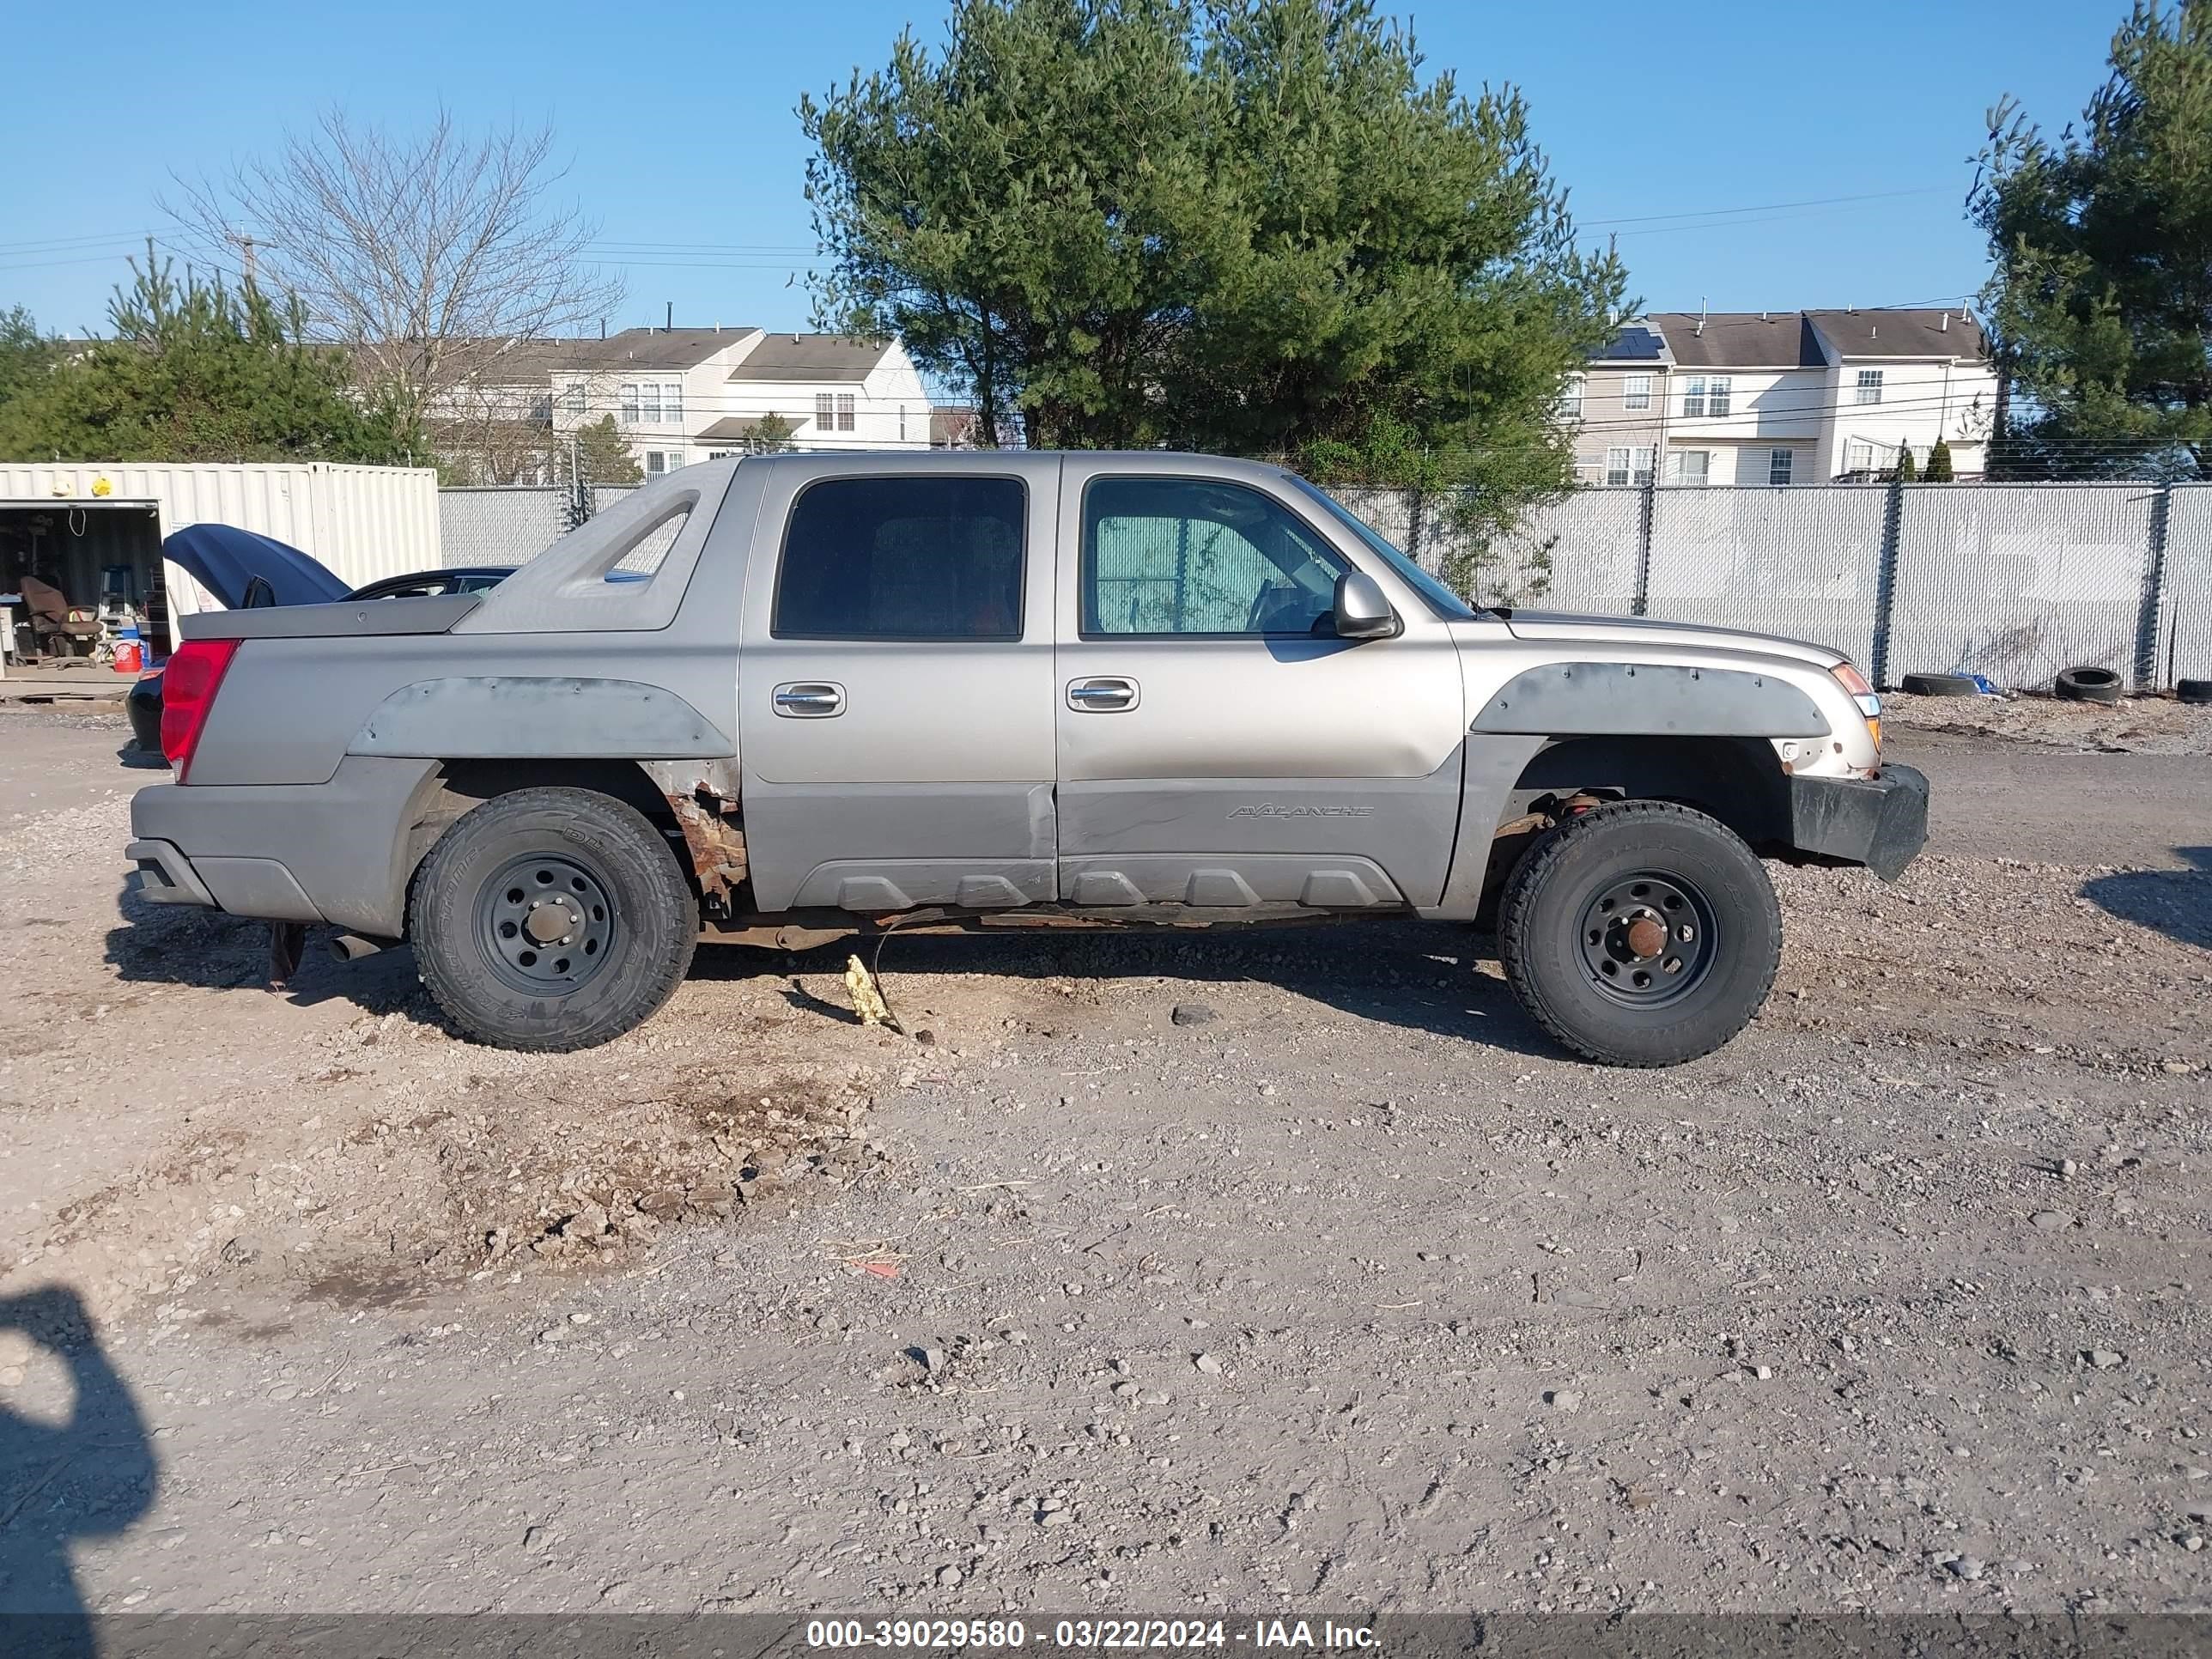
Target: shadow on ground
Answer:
[[1419, 975], [183, 944], [2175, 903], [1415, 975], [90, 1475]]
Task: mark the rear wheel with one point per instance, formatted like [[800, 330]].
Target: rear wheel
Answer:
[[551, 919], [1643, 933]]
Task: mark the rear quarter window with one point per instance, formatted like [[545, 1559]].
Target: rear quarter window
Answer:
[[903, 558]]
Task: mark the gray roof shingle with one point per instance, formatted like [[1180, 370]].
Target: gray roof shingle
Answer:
[[811, 357], [1900, 333], [1808, 339]]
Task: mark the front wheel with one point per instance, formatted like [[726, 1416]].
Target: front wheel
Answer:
[[551, 920], [1643, 933]]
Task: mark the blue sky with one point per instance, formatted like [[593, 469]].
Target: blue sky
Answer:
[[1695, 135]]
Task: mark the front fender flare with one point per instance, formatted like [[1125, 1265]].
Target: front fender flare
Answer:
[[1649, 699]]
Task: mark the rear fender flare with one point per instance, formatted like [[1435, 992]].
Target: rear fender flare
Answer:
[[542, 717]]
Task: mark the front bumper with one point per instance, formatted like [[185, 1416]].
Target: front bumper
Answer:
[[1880, 822]]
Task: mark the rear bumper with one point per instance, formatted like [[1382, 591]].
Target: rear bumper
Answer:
[[335, 852], [1880, 822], [165, 875], [261, 888]]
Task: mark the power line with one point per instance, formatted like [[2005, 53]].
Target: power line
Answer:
[[1768, 207]]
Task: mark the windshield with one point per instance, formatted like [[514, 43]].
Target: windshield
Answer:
[[1442, 600]]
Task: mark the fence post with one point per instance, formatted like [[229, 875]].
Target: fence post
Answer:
[[2146, 675], [1885, 583], [1642, 603], [579, 510]]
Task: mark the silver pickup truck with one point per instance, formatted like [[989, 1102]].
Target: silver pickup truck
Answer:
[[1006, 690]]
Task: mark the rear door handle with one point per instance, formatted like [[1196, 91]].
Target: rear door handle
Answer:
[[808, 700], [1104, 693]]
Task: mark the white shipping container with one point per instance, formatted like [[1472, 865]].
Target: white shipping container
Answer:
[[364, 523]]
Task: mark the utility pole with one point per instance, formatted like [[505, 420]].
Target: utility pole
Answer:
[[248, 246]]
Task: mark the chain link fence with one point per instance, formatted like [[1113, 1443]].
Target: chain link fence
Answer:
[[2013, 582]]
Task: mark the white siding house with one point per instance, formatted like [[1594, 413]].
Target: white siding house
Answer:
[[1790, 398], [679, 395]]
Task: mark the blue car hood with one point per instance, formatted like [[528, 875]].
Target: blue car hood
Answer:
[[224, 559]]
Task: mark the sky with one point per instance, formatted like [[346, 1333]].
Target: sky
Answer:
[[1748, 156]]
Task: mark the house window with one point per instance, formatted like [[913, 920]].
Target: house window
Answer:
[[572, 398], [673, 403], [1707, 395], [630, 403], [1636, 391], [1628, 465], [651, 416], [825, 412], [1858, 456], [1780, 464], [1570, 399], [1692, 466], [844, 412], [1869, 386], [655, 463]]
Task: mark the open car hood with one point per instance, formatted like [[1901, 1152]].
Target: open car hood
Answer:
[[224, 560]]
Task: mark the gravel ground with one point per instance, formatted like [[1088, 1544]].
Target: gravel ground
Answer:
[[2134, 726], [1281, 1269]]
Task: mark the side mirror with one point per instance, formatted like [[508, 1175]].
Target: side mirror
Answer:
[[1360, 611]]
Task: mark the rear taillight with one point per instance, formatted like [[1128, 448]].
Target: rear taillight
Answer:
[[188, 689]]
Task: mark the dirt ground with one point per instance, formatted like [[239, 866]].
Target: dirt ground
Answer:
[[1285, 1269]]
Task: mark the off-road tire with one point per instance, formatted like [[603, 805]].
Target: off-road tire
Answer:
[[1542, 932], [652, 919], [2195, 692]]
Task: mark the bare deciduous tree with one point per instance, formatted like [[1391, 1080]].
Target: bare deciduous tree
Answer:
[[428, 254]]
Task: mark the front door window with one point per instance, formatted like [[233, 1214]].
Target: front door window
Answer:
[[1182, 556]]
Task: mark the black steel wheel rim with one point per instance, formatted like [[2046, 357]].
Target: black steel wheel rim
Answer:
[[546, 923], [1647, 940]]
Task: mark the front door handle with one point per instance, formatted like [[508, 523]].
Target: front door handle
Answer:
[[808, 700], [1104, 695]]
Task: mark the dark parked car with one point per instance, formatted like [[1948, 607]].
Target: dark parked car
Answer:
[[244, 570]]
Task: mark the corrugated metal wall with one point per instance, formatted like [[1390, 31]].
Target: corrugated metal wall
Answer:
[[363, 522]]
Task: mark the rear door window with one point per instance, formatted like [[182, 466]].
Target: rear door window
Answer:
[[912, 558]]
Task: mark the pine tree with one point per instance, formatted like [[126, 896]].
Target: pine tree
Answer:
[[1906, 471], [2099, 309], [1255, 227], [601, 455], [1939, 464], [771, 435], [204, 372]]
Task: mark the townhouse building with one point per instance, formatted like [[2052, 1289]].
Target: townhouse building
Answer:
[[1782, 398]]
